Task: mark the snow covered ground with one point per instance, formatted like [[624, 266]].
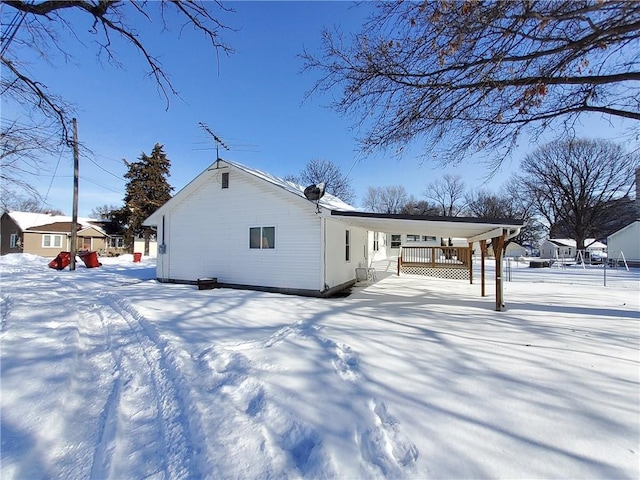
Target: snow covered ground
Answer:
[[107, 374]]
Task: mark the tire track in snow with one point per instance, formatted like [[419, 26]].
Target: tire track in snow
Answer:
[[123, 413], [69, 432], [154, 404], [119, 410], [6, 304]]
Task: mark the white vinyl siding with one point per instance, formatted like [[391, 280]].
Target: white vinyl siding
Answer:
[[338, 271], [207, 235], [625, 242]]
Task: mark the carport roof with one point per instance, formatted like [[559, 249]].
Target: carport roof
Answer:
[[470, 228]]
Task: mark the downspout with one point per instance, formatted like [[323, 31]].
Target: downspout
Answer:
[[323, 254], [162, 250]]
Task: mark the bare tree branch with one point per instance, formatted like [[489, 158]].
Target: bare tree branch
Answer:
[[573, 183], [36, 25], [466, 77]]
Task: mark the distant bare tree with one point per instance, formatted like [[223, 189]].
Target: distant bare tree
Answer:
[[468, 76], [336, 183], [22, 147], [447, 194], [385, 199], [511, 205], [574, 183], [105, 212], [15, 202], [485, 204], [413, 206]]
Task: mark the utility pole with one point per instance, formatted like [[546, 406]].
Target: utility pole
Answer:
[[74, 216]]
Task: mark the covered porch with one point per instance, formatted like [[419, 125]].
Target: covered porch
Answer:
[[450, 262]]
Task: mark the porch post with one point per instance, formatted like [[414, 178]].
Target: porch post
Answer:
[[483, 248], [498, 244]]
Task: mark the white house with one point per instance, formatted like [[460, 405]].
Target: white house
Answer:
[[565, 248], [515, 250], [250, 229], [626, 242], [138, 247], [394, 241]]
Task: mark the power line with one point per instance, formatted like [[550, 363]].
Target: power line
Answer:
[[119, 177], [358, 158], [100, 185], [14, 25], [44, 200], [114, 160]]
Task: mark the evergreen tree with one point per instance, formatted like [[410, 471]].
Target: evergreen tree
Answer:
[[146, 191]]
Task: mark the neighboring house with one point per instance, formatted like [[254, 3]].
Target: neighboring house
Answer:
[[46, 235], [138, 246], [248, 228], [625, 243], [512, 250], [564, 248], [394, 241], [115, 244], [515, 250]]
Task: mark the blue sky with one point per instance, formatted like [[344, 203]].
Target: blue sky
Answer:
[[253, 99]]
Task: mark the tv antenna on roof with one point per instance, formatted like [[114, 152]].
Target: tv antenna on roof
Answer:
[[216, 139]]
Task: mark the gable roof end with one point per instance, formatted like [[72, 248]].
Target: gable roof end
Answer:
[[328, 201]]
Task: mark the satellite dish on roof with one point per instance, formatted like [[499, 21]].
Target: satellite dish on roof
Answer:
[[314, 192]]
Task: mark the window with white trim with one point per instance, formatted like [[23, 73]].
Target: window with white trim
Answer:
[[13, 241], [396, 241], [262, 238], [347, 242], [376, 242], [420, 238], [116, 242], [51, 241]]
